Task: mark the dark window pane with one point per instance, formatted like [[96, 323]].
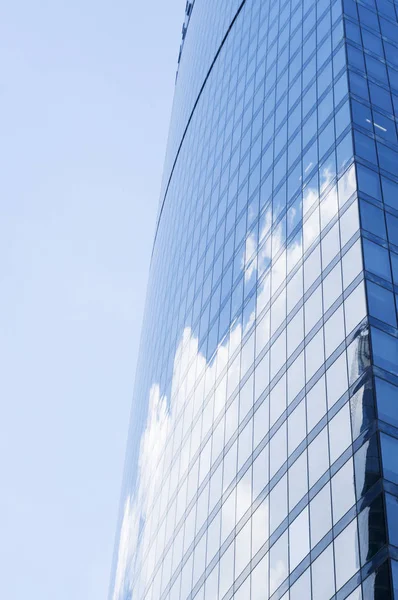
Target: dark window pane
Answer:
[[376, 69], [392, 226], [380, 97], [359, 85], [381, 303], [388, 159], [387, 401], [389, 451], [394, 264], [365, 147], [377, 260], [392, 519], [362, 115], [372, 219], [368, 182], [385, 351], [384, 127], [390, 192]]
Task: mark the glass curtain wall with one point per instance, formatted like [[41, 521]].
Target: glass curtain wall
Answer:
[[263, 451]]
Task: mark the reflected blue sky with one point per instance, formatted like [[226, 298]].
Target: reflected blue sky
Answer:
[[83, 138]]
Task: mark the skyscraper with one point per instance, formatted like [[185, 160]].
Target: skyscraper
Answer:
[[263, 452]]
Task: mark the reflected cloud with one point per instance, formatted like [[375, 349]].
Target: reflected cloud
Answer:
[[168, 431], [248, 264]]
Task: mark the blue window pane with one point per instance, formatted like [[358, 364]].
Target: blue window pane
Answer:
[[392, 226], [355, 58], [372, 42], [365, 147], [367, 17], [294, 215], [376, 260], [344, 152], [386, 8], [380, 97], [385, 351], [342, 119], [372, 219], [387, 401], [308, 102], [368, 182], [359, 85], [394, 568], [389, 29], [395, 103], [389, 451], [326, 139], [353, 32], [362, 115], [294, 181], [390, 192], [384, 127], [350, 8], [376, 69], [391, 53], [394, 265], [340, 89], [381, 303], [367, 466], [393, 75], [310, 129], [388, 159]]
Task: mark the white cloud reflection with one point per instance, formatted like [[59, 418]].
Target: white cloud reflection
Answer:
[[193, 379]]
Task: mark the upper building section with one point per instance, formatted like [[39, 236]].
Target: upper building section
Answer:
[[188, 12], [204, 29]]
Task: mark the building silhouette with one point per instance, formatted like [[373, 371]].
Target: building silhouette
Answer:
[[263, 451]]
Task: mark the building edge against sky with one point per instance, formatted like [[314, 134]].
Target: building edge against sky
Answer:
[[262, 454]]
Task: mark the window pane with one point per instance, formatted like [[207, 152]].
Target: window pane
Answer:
[[242, 548], [323, 575], [302, 587], [346, 554], [278, 563], [318, 457], [385, 350], [278, 503], [376, 260], [392, 518], [343, 490], [389, 450], [320, 515], [314, 354], [332, 287], [381, 303], [278, 449], [316, 403], [336, 380], [355, 308], [299, 544], [387, 401], [352, 264], [260, 528], [334, 331], [296, 427], [298, 480], [259, 580], [339, 433]]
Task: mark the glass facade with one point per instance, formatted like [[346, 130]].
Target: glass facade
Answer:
[[263, 451]]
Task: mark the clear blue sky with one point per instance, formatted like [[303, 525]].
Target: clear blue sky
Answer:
[[85, 95]]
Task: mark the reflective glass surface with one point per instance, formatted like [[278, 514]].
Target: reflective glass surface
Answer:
[[264, 428]]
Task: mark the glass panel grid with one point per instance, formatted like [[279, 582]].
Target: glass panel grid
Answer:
[[264, 412]]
